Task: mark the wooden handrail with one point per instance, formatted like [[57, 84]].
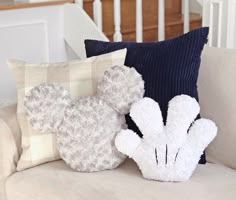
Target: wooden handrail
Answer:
[[10, 4]]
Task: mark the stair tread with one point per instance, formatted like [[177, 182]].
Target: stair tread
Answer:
[[179, 19], [170, 21]]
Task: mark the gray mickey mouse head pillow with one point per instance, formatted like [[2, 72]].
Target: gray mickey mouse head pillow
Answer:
[[86, 128]]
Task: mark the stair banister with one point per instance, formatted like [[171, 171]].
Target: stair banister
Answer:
[[117, 17], [75, 20], [80, 2], [161, 20], [97, 13], [139, 20]]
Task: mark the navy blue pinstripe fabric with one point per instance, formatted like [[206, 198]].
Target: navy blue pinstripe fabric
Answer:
[[169, 68]]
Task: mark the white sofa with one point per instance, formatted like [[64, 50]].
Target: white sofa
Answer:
[[213, 181]]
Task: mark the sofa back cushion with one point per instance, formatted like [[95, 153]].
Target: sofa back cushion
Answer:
[[217, 93], [79, 77]]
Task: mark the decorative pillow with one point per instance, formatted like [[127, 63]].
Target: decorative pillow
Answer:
[[169, 68], [170, 152], [86, 128], [78, 77]]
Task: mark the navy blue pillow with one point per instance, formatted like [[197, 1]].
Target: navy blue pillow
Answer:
[[169, 68]]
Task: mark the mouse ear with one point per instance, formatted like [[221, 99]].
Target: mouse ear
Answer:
[[120, 87], [45, 106]]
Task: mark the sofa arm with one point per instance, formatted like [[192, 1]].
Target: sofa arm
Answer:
[[217, 96], [10, 145], [10, 141]]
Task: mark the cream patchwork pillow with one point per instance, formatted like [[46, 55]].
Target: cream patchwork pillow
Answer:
[[78, 77]]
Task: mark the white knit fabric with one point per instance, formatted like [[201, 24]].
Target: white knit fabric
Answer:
[[171, 152]]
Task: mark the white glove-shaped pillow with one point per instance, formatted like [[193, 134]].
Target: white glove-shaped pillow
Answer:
[[171, 152]]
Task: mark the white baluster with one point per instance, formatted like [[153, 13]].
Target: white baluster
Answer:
[[205, 13], [97, 13], [161, 20], [139, 21], [185, 4], [80, 2], [117, 12], [231, 20], [219, 21], [220, 17]]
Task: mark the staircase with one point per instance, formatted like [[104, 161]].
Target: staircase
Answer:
[[174, 20]]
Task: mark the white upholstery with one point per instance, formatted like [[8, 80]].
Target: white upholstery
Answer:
[[217, 93], [10, 142], [56, 181]]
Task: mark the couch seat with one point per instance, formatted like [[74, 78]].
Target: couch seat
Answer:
[[56, 181]]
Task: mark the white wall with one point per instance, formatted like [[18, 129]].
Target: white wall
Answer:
[[38, 35], [31, 34], [196, 6]]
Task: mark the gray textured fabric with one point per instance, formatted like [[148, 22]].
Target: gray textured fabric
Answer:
[[120, 88], [45, 106], [86, 134], [86, 128]]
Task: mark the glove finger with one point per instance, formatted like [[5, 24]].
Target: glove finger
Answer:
[[127, 142], [147, 115], [200, 135], [182, 111]]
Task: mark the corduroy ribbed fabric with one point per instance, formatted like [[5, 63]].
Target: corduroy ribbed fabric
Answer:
[[169, 68]]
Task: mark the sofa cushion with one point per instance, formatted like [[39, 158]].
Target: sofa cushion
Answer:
[[56, 181], [169, 68], [217, 92]]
